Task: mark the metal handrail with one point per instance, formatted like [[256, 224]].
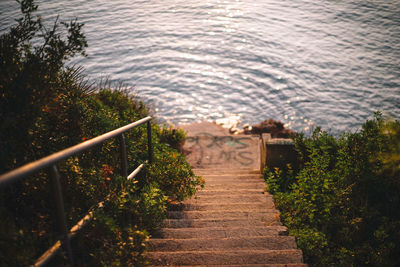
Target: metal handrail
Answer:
[[37, 165], [50, 162]]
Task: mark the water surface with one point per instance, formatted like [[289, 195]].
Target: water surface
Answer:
[[305, 62]]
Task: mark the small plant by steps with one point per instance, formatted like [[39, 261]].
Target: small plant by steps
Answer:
[[343, 204]]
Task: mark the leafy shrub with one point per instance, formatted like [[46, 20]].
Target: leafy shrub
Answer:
[[32, 77], [119, 232], [46, 107], [173, 174], [342, 205], [279, 180], [174, 137]]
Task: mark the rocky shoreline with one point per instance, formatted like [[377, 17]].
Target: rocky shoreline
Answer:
[[275, 128]]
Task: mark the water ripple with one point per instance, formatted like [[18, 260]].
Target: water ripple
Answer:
[[330, 63]]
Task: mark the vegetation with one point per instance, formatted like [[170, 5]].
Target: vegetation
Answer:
[[343, 204], [45, 107]]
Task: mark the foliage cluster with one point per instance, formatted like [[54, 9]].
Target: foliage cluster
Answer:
[[172, 136], [46, 107], [343, 204]]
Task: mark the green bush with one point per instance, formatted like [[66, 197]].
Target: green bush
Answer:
[[46, 107], [173, 174], [342, 205], [174, 137]]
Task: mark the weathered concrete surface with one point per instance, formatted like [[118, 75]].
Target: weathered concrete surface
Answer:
[[251, 265], [207, 223], [232, 221], [258, 243], [206, 150], [225, 225], [194, 129], [209, 145], [227, 257]]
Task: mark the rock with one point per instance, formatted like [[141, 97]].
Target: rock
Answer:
[[247, 127], [234, 130], [275, 128]]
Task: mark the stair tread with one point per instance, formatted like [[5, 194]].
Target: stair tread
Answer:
[[231, 197], [226, 257], [278, 227], [205, 223], [230, 180], [221, 232], [233, 243], [200, 206], [247, 265], [242, 251], [233, 175], [232, 191], [219, 214], [233, 186]]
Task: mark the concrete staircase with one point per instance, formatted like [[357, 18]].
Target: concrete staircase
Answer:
[[231, 222]]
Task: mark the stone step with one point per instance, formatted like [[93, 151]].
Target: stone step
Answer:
[[225, 171], [232, 191], [203, 223], [231, 182], [232, 176], [211, 244], [233, 186], [246, 265], [218, 201], [234, 181], [226, 257], [229, 198], [210, 175], [220, 232], [264, 215], [220, 206]]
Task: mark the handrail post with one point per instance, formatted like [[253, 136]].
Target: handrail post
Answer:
[[149, 142], [62, 224], [50, 162], [124, 165]]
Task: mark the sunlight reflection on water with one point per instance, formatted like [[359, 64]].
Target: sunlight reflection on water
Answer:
[[306, 63]]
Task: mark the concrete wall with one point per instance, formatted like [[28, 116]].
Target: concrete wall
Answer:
[[277, 152]]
